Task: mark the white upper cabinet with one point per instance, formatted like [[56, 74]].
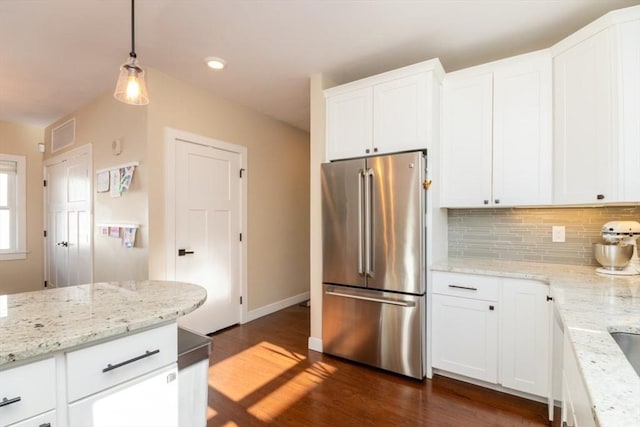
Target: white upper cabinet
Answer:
[[467, 139], [400, 115], [497, 134], [387, 113], [349, 123], [597, 112]]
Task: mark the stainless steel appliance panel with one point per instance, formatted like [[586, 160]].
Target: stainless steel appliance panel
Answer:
[[377, 328], [342, 222], [396, 260]]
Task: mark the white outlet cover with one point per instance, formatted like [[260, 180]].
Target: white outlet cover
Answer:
[[558, 233]]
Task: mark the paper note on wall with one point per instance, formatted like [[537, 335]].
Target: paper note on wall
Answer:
[[128, 237], [114, 175]]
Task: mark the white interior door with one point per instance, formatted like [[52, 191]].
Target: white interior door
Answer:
[[67, 206], [207, 232]]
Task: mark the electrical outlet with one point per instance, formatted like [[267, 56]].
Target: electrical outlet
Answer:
[[557, 233]]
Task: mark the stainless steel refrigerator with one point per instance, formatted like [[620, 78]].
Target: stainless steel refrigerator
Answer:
[[373, 217]]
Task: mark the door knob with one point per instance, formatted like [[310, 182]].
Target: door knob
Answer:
[[65, 244], [183, 252]]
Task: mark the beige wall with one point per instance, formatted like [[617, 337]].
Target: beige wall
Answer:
[[278, 184], [98, 124], [25, 274]]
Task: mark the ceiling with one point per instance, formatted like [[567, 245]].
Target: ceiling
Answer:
[[57, 55]]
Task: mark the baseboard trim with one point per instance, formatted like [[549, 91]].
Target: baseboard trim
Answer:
[[276, 306], [315, 344], [496, 387]]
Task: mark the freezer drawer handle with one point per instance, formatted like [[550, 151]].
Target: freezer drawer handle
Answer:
[[380, 300], [469, 288], [148, 353], [6, 401]]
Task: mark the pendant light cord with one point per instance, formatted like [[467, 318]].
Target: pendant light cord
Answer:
[[133, 31]]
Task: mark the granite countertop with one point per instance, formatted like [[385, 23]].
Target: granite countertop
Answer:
[[591, 305], [37, 323]]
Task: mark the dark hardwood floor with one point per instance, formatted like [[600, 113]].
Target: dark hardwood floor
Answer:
[[262, 373]]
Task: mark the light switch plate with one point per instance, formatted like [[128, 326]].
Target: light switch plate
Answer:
[[557, 233]]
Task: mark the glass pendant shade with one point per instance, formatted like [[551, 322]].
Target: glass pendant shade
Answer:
[[132, 86]]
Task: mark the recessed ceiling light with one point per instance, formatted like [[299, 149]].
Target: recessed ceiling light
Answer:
[[215, 62]]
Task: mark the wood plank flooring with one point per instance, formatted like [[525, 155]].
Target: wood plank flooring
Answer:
[[262, 373]]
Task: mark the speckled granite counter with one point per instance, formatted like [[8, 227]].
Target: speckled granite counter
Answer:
[[590, 305], [36, 323]]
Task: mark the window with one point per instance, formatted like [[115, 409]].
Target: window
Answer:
[[12, 207]]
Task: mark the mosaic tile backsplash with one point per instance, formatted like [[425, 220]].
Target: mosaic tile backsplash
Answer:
[[525, 234]]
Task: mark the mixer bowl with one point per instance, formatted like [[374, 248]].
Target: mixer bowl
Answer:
[[613, 256]]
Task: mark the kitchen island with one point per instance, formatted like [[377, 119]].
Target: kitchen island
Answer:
[[590, 306], [82, 343]]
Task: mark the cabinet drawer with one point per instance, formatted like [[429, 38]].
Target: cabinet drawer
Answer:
[[466, 285], [44, 420], [101, 366], [31, 387]]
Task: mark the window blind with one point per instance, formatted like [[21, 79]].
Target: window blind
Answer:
[[7, 166]]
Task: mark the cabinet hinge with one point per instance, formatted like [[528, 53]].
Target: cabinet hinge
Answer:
[[240, 300], [44, 183], [241, 172]]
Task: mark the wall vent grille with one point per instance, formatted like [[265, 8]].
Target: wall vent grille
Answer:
[[63, 136]]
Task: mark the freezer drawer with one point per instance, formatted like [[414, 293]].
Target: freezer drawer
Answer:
[[380, 329]]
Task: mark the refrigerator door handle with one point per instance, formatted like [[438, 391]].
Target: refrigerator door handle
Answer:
[[360, 221], [372, 299], [368, 221]]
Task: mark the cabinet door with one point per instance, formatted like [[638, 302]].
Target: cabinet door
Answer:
[[629, 92], [401, 114], [522, 132], [150, 400], [465, 337], [466, 143], [350, 124], [583, 144], [525, 342]]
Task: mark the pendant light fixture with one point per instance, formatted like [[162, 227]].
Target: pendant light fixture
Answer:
[[132, 87]]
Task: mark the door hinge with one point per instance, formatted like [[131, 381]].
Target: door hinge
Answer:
[[240, 300], [45, 233], [45, 283], [241, 237], [549, 298], [44, 183], [241, 172]]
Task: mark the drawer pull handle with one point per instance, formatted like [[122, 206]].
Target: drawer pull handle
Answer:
[[6, 401], [148, 353], [469, 288]]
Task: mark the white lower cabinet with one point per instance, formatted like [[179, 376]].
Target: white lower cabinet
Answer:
[[20, 398], [493, 329], [465, 325], [45, 420], [525, 350], [576, 405], [129, 381], [148, 401], [465, 339]]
